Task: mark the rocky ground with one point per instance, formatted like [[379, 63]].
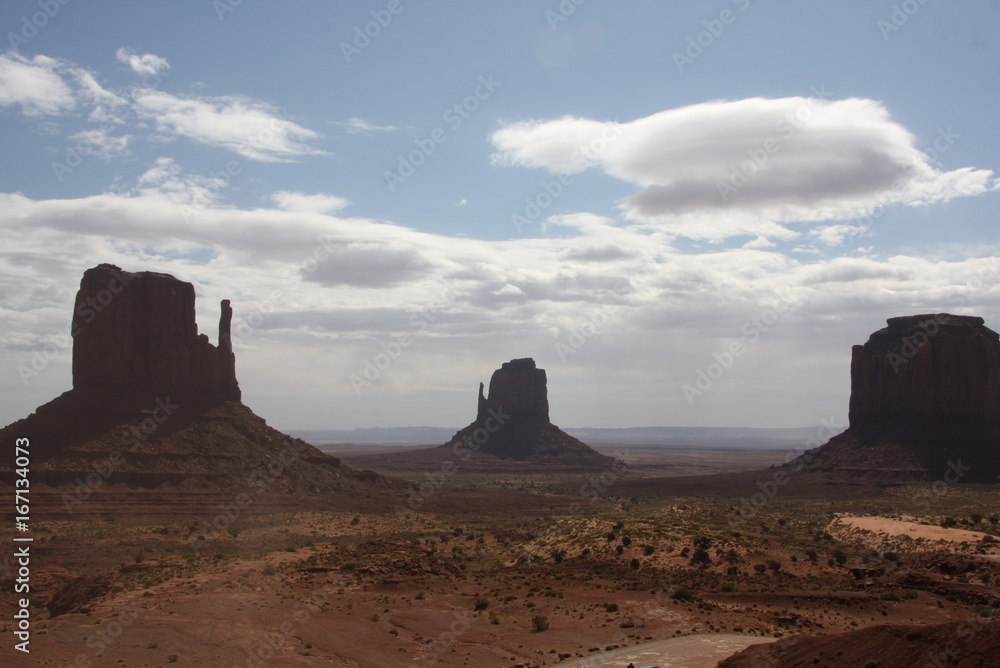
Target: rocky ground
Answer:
[[481, 575]]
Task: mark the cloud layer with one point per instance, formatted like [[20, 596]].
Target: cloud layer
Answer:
[[748, 167]]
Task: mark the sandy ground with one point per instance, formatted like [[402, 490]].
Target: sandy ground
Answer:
[[697, 651], [911, 529]]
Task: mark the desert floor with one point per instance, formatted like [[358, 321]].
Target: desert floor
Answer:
[[501, 570]]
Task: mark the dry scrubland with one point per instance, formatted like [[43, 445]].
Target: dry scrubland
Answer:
[[478, 578]]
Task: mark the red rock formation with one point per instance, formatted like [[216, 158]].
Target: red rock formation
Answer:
[[927, 368], [136, 333], [513, 421], [519, 387], [925, 404], [154, 403]]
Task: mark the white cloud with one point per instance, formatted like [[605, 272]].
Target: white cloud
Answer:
[[34, 85], [834, 235], [147, 64], [329, 291], [248, 128], [747, 167], [100, 143], [302, 203], [361, 126]]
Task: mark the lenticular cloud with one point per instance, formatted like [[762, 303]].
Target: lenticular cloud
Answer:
[[749, 163]]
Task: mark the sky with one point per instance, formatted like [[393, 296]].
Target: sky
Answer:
[[686, 213]]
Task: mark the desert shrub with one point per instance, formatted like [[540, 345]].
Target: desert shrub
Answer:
[[872, 663], [172, 658], [683, 594], [611, 607], [774, 565], [812, 555], [648, 550], [634, 564], [539, 623], [619, 549], [891, 596], [976, 518], [270, 569], [494, 618], [760, 568], [839, 556], [949, 522], [910, 594], [728, 586], [700, 556], [480, 604], [702, 542]]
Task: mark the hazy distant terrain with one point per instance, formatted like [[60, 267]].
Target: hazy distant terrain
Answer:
[[736, 437]]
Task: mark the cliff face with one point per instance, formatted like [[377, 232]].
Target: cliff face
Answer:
[[136, 333], [512, 422], [927, 368], [519, 388], [154, 403], [925, 404]]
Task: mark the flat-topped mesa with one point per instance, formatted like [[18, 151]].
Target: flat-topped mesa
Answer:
[[926, 369], [135, 333]]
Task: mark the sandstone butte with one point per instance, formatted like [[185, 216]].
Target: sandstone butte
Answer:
[[155, 403], [925, 403], [512, 421]]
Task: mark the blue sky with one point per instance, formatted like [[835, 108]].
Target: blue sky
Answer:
[[623, 191]]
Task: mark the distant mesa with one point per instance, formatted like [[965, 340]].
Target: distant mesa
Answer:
[[512, 422], [154, 403], [925, 402]]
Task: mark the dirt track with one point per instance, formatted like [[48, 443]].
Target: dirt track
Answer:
[[697, 651]]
